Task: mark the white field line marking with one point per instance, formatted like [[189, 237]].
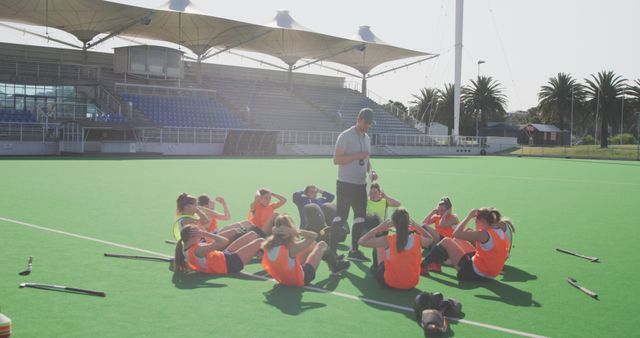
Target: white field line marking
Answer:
[[525, 178], [335, 293]]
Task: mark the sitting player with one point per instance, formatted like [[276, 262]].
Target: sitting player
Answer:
[[213, 258], [188, 213], [262, 211], [294, 262], [445, 221], [492, 245], [399, 254]]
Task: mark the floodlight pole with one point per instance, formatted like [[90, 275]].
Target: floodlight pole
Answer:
[[622, 117], [479, 63], [638, 133], [571, 127], [458, 70]]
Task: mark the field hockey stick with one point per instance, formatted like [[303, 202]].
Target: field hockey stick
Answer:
[[62, 287], [588, 292], [29, 267], [589, 258], [147, 258], [170, 241]]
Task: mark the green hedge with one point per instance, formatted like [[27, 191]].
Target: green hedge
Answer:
[[626, 139]]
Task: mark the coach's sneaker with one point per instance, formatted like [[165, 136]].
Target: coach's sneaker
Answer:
[[357, 256], [339, 267]]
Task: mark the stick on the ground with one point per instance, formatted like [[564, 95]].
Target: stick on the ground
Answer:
[[29, 267], [145, 258], [62, 287], [589, 258], [588, 292]]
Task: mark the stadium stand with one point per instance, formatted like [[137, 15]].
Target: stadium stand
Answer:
[[244, 98], [12, 115], [271, 105], [347, 102], [176, 111]]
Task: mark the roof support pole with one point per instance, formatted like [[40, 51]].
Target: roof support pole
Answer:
[[458, 74], [290, 78], [199, 76], [364, 85]]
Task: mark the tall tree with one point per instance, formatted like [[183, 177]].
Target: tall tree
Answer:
[[634, 93], [604, 92], [485, 96], [426, 104], [557, 97], [396, 108]]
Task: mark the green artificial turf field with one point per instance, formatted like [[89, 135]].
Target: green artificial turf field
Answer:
[[585, 206]]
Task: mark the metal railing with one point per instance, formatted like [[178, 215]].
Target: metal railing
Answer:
[[181, 135], [110, 100], [298, 137], [23, 131], [49, 70], [50, 132]]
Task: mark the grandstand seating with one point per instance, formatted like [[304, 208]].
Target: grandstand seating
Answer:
[[12, 115], [109, 118], [348, 103], [271, 105], [178, 111]]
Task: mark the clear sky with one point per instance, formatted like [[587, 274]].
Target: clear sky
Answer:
[[523, 42]]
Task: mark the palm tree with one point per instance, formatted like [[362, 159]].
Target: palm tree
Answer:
[[604, 92], [426, 104], [486, 97], [396, 108], [634, 92], [555, 100]]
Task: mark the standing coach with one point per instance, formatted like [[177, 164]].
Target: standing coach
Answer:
[[351, 155]]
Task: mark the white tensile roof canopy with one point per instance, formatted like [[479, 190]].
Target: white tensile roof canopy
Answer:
[[206, 35]]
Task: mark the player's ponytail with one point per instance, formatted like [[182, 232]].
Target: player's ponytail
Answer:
[[400, 219]]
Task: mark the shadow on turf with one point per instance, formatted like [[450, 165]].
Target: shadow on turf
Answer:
[[194, 280], [370, 288], [513, 274], [288, 299], [504, 293]]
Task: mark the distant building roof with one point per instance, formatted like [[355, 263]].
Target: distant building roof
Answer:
[[545, 128], [502, 126]]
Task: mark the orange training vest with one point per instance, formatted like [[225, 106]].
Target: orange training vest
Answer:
[[262, 214], [402, 269], [284, 269], [490, 263], [444, 231], [214, 262]]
